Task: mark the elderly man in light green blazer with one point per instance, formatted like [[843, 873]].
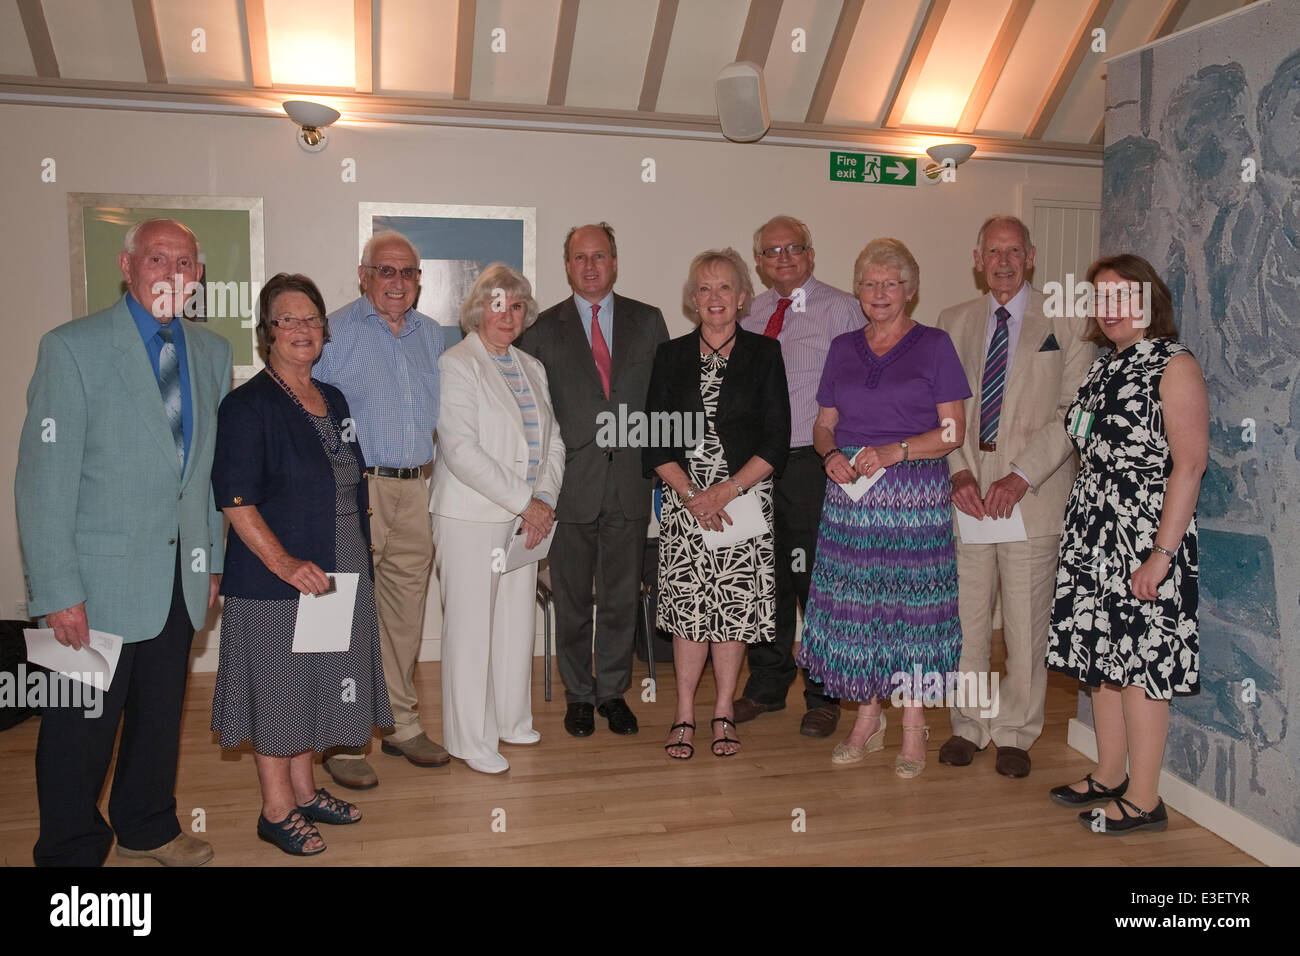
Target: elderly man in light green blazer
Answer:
[[120, 534]]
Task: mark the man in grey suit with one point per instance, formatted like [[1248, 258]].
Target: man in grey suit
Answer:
[[120, 534], [598, 349]]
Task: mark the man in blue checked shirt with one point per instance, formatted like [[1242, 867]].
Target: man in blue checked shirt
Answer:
[[383, 355]]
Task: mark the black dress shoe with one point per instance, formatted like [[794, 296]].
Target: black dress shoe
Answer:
[[580, 720], [1066, 796], [1157, 819], [621, 719]]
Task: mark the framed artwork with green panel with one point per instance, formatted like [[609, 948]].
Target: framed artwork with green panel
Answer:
[[229, 230]]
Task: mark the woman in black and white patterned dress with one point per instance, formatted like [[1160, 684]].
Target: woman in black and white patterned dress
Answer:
[[727, 389], [287, 472], [1124, 621]]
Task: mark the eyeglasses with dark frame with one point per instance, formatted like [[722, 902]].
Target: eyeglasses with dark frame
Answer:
[[410, 273], [296, 322]]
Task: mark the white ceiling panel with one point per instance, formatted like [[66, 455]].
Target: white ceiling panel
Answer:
[[95, 41], [223, 57], [705, 39], [1043, 45], [521, 72], [415, 46], [791, 76], [880, 42], [1128, 25], [955, 60], [311, 42], [610, 49], [15, 54]]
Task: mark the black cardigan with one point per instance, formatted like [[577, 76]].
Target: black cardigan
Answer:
[[753, 416], [269, 455]]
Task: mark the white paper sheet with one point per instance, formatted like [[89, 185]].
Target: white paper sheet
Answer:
[[325, 622], [747, 521], [93, 665], [990, 530], [519, 554], [859, 487]]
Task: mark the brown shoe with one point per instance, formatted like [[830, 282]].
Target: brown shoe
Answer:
[[958, 751], [820, 722], [746, 708], [353, 774], [185, 850], [420, 750], [1012, 762]]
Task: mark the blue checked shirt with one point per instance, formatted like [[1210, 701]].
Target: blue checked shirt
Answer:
[[390, 382]]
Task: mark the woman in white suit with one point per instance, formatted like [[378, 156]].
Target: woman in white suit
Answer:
[[500, 459]]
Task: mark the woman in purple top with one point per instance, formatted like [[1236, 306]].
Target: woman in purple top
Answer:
[[883, 602]]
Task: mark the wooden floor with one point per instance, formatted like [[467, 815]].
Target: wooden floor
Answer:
[[610, 800]]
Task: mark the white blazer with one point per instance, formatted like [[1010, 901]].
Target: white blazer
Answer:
[[481, 470]]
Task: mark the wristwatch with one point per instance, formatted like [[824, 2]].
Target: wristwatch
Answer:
[[903, 445]]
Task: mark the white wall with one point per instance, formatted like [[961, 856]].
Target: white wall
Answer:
[[706, 194]]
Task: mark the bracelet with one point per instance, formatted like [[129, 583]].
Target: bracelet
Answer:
[[740, 490], [826, 457], [1165, 551], [691, 492]]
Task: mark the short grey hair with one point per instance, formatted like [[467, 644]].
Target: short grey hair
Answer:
[[388, 237], [993, 220], [132, 234], [798, 225], [890, 253], [712, 257], [609, 234], [496, 279]]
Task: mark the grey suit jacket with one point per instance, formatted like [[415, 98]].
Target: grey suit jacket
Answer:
[[558, 341], [103, 505]]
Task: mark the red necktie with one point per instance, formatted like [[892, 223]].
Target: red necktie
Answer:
[[778, 319], [599, 350]]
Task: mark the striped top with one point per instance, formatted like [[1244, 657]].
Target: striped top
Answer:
[[518, 384], [805, 339]]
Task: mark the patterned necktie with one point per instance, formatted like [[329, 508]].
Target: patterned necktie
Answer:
[[169, 383], [778, 319], [599, 350], [995, 378]]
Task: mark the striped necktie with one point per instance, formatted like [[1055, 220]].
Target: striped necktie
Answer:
[[995, 378], [169, 384]]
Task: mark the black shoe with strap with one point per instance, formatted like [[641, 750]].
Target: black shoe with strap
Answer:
[[1067, 796], [1156, 820], [681, 741], [725, 738]]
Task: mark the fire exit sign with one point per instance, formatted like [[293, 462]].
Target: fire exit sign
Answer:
[[873, 168]]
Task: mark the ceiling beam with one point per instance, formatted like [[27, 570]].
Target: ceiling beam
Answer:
[[914, 63], [1165, 25], [1065, 73], [259, 47], [378, 108], [996, 62], [465, 14], [563, 59], [38, 38], [146, 26], [654, 64], [836, 54], [363, 45], [760, 27]]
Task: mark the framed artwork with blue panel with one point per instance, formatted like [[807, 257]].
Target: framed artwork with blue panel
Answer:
[[456, 243]]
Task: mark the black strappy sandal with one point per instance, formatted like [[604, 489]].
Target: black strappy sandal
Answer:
[[681, 741], [724, 739]]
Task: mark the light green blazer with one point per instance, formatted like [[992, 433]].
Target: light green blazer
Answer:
[[102, 503]]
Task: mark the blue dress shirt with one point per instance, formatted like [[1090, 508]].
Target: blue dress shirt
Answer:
[[153, 344], [605, 317]]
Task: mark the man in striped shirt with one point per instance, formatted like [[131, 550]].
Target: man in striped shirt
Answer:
[[383, 356], [803, 315]]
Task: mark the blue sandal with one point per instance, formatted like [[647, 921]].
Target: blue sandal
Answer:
[[327, 809], [290, 834]]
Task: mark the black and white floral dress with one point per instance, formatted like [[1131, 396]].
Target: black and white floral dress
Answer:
[[724, 595], [1100, 631]]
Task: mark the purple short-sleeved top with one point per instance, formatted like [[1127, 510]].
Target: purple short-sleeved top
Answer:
[[891, 397]]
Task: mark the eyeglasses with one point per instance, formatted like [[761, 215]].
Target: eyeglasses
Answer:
[[410, 273], [794, 248], [296, 322], [889, 285]]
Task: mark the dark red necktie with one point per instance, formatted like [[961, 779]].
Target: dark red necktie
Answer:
[[599, 350], [778, 319]]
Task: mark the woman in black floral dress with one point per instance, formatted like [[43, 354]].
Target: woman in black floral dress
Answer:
[[1124, 621]]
